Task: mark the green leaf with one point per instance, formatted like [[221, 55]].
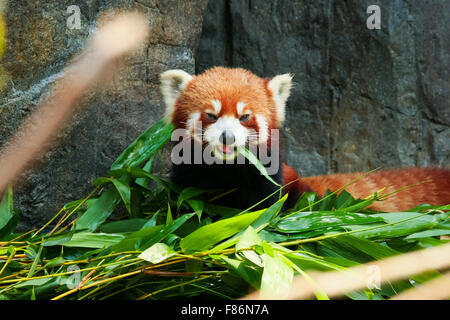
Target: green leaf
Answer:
[[197, 206], [306, 261], [267, 215], [319, 293], [99, 211], [415, 222], [168, 229], [270, 213], [136, 173], [357, 249], [152, 221], [147, 168], [93, 240], [276, 279], [246, 272], [134, 240], [124, 191], [6, 207], [157, 253], [217, 210], [249, 239], [207, 236], [153, 139], [306, 221], [58, 239], [188, 193], [306, 201], [122, 187], [169, 218], [424, 207], [328, 203], [36, 260], [123, 226], [32, 283], [344, 199], [255, 161], [428, 233], [55, 262]]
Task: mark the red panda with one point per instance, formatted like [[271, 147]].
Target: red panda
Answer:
[[223, 109]]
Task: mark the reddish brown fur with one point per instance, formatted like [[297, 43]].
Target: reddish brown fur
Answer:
[[296, 185], [436, 191]]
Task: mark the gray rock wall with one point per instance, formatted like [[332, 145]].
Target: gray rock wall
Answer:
[[362, 98], [40, 45]]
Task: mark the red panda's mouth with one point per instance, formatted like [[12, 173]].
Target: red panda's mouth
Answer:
[[227, 149], [225, 152]]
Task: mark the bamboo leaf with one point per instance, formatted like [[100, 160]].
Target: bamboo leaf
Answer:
[[188, 193], [123, 226], [58, 239], [267, 216], [157, 253], [207, 236], [168, 229], [428, 233], [249, 239], [276, 279], [251, 275], [255, 161], [147, 168], [36, 260], [122, 187], [307, 221], [100, 210], [6, 207], [415, 222], [153, 139], [134, 240], [93, 240]]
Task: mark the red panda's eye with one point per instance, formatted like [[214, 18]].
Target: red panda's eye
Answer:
[[212, 116], [244, 118]]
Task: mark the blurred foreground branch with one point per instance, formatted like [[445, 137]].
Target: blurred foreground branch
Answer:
[[116, 38], [337, 283]]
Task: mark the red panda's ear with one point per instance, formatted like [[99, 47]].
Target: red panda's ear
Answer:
[[173, 82], [280, 87]]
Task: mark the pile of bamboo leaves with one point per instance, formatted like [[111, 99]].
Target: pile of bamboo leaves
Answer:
[[172, 243]]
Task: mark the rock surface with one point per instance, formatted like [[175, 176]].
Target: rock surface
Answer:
[[40, 45], [362, 98]]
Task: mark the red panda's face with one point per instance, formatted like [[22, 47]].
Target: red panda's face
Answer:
[[225, 108]]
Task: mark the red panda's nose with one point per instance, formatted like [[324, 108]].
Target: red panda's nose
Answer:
[[227, 137]]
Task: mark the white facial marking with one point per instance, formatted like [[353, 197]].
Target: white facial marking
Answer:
[[214, 131], [263, 126], [240, 107], [217, 105], [190, 124]]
